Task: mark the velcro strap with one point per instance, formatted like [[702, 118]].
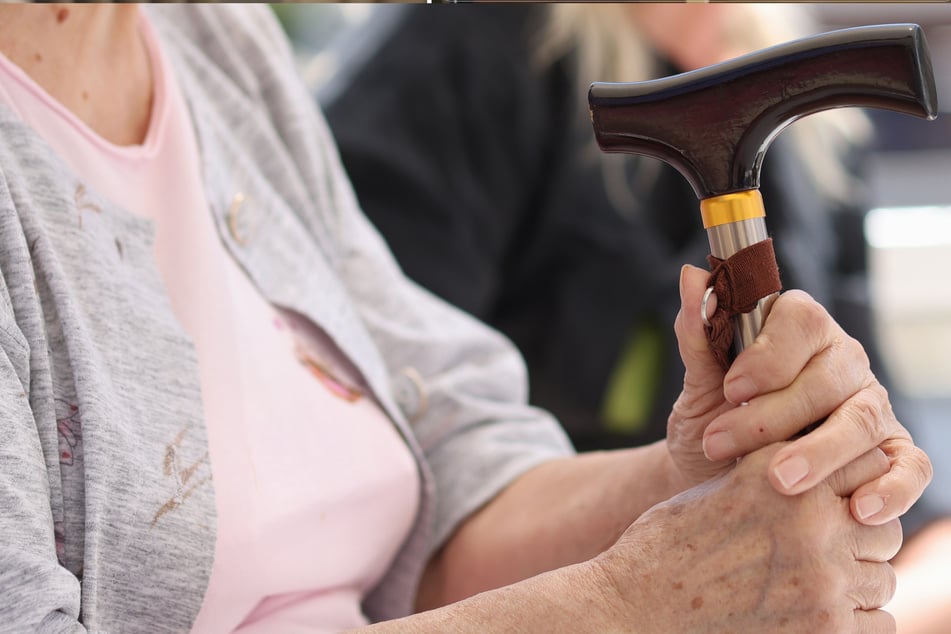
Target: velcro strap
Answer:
[[739, 282]]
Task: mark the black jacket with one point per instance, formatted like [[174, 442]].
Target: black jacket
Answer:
[[482, 174]]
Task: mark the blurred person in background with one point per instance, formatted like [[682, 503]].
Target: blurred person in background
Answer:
[[467, 136]]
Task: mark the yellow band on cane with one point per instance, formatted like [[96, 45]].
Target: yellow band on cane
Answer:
[[720, 210]]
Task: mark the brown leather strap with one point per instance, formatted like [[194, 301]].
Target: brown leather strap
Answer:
[[739, 282]]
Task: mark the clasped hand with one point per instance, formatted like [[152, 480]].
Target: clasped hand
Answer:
[[802, 368], [774, 535]]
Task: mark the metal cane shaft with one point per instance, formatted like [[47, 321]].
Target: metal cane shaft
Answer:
[[726, 240]]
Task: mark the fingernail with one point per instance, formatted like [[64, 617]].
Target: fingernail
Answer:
[[869, 505], [683, 271], [791, 470], [719, 445], [739, 390]]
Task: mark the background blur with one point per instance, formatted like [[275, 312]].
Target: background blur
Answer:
[[907, 230], [908, 235]]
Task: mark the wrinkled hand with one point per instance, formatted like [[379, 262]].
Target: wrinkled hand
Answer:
[[802, 368], [733, 555]]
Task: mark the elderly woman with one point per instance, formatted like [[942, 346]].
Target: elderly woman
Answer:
[[225, 409]]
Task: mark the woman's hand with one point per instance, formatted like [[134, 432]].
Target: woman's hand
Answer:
[[733, 555], [801, 369]]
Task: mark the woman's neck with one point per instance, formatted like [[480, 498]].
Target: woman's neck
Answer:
[[90, 58]]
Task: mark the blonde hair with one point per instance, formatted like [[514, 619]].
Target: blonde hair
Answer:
[[608, 45]]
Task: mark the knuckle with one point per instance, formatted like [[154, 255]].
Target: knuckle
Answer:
[[679, 327], [880, 462], [867, 411], [850, 347], [889, 537], [794, 297], [765, 347], [875, 589], [807, 312], [850, 369], [915, 475], [814, 316], [886, 622], [888, 585], [696, 401], [924, 467], [897, 536], [910, 470], [856, 352]]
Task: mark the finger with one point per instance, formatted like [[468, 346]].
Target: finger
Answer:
[[797, 329], [872, 586], [883, 499], [876, 544], [867, 467], [873, 622], [829, 378], [862, 422]]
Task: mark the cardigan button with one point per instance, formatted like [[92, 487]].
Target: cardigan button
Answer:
[[233, 218]]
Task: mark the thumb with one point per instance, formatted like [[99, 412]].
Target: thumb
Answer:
[[702, 397], [703, 373]]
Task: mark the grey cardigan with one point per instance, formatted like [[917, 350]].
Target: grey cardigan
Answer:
[[106, 501]]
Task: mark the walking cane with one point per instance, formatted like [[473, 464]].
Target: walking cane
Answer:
[[715, 124]]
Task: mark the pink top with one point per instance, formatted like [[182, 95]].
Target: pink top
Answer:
[[315, 488]]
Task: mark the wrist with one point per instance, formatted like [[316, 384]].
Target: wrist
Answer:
[[603, 599], [590, 596], [617, 592]]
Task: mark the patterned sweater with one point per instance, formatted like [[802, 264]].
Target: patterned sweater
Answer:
[[108, 510]]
